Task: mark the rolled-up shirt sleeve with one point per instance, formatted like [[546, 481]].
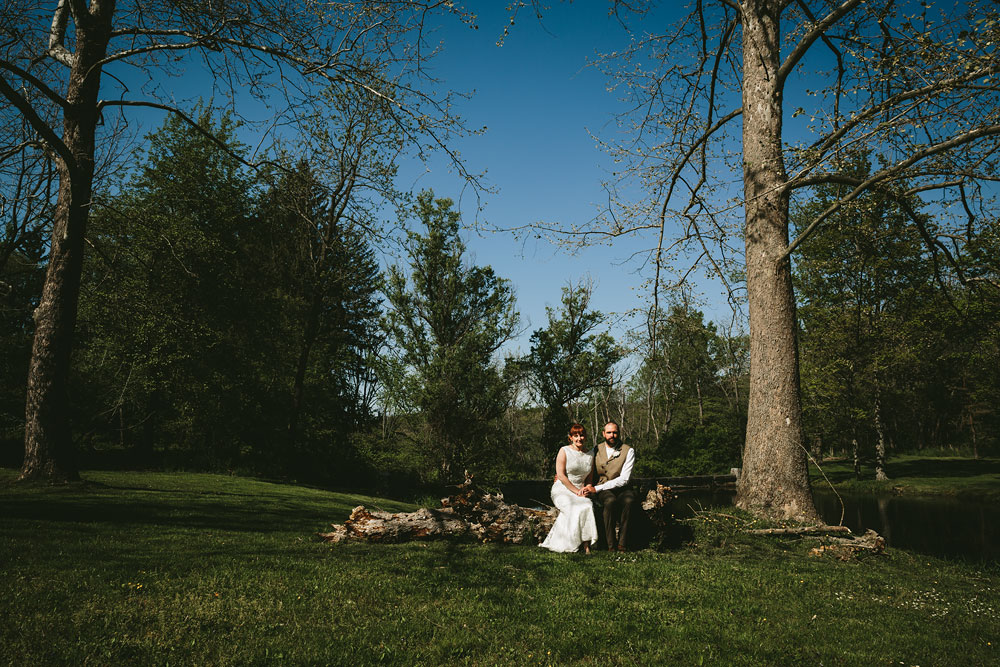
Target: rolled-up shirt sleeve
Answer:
[[623, 478]]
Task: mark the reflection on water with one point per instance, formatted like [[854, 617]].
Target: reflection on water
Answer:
[[937, 526]]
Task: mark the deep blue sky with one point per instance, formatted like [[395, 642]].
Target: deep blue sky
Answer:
[[538, 98]]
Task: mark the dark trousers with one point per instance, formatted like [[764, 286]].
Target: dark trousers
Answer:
[[617, 509]]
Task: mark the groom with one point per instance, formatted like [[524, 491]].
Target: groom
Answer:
[[613, 469]]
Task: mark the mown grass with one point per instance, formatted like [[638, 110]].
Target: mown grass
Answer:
[[146, 568], [961, 477]]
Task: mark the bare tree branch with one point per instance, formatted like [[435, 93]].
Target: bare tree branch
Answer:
[[817, 32], [884, 175], [47, 134], [37, 83]]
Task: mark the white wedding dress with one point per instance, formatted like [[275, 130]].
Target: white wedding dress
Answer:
[[575, 523]]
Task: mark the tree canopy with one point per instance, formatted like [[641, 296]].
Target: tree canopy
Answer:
[[915, 86]]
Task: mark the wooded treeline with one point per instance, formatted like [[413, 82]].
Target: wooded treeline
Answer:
[[205, 305], [233, 319]]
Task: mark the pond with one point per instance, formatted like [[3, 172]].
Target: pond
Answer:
[[943, 527]]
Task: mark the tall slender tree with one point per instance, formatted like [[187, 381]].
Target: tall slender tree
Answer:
[[447, 321]]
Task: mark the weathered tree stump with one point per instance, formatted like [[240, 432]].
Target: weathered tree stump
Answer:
[[666, 532]]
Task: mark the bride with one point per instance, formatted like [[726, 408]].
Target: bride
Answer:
[[575, 524]]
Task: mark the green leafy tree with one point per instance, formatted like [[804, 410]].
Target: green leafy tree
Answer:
[[567, 359], [447, 321], [854, 281], [58, 73], [888, 340], [227, 328], [166, 324], [691, 384]]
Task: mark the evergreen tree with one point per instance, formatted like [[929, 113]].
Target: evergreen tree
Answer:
[[317, 266], [447, 322], [165, 323]]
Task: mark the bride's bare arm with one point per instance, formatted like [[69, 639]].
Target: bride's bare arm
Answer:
[[561, 471]]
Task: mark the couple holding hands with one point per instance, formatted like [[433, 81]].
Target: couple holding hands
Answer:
[[610, 465]]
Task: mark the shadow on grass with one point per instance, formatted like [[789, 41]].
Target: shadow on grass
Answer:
[[200, 513], [150, 507]]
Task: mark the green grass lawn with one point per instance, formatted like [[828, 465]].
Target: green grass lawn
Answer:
[[975, 479], [176, 568]]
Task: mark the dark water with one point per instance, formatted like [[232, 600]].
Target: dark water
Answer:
[[939, 526]]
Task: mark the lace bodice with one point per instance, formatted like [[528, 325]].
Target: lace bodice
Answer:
[[578, 465]]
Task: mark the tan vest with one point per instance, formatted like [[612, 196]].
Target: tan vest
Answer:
[[609, 468]]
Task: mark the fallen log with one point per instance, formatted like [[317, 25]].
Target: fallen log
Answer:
[[853, 547], [390, 528], [468, 513], [471, 513], [844, 548], [801, 530]]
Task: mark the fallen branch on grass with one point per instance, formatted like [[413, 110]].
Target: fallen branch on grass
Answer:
[[853, 547], [844, 548], [801, 530]]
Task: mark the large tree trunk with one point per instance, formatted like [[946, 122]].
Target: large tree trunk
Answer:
[[775, 480], [48, 447]]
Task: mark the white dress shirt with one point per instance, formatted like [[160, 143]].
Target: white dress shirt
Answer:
[[622, 479]]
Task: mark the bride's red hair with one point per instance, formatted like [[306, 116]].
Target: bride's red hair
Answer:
[[576, 429]]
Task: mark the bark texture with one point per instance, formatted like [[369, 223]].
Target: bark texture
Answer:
[[469, 513], [775, 479], [48, 451]]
